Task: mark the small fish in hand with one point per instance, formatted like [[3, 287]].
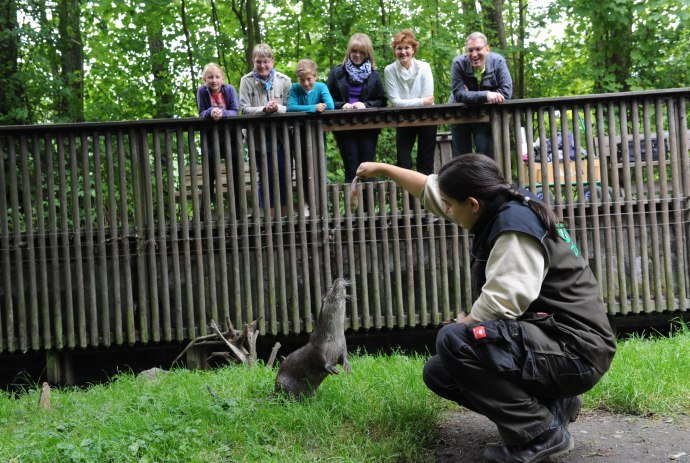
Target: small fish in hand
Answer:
[[354, 195]]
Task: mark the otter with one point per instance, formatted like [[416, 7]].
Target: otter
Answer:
[[303, 371]]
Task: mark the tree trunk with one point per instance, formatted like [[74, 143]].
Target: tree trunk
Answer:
[[12, 109], [216, 31], [471, 18], [70, 103], [252, 33], [519, 79], [190, 54], [610, 50], [331, 34], [158, 55], [500, 24]]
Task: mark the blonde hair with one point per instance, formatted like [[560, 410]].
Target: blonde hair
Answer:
[[361, 42], [306, 66], [261, 50], [405, 36], [211, 66]]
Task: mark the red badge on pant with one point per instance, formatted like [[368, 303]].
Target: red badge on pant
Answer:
[[479, 332]]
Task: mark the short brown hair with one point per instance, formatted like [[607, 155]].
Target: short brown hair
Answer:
[[405, 36], [306, 66]]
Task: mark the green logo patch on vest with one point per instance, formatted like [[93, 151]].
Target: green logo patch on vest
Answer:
[[565, 236]]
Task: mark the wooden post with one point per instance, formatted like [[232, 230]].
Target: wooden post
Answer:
[[59, 367], [196, 358]]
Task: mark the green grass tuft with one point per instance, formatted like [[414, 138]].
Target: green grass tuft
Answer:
[[382, 412], [648, 376]]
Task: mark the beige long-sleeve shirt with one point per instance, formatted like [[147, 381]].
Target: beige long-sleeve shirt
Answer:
[[514, 271], [253, 95]]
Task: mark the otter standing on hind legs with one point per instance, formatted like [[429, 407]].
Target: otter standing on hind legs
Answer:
[[303, 371]]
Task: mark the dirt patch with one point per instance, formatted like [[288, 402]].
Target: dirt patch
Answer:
[[599, 437]]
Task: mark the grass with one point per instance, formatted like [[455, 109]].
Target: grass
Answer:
[[649, 376], [380, 413]]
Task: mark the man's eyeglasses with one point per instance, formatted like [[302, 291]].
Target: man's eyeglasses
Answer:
[[477, 49]]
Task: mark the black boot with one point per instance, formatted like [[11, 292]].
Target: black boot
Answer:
[[566, 410], [554, 441]]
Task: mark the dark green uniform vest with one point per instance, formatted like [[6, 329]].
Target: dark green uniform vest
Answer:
[[577, 324]]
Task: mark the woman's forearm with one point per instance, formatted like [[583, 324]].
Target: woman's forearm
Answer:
[[410, 180]]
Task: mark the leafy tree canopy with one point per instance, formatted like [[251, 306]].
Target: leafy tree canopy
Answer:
[[143, 58]]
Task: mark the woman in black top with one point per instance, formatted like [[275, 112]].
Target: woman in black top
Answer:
[[356, 84]]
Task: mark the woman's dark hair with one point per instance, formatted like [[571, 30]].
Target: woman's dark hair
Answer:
[[478, 176]]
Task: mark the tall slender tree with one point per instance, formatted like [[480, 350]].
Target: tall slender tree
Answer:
[[12, 109], [70, 103], [158, 55]]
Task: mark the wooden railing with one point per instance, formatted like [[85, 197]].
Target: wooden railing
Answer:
[[103, 241]]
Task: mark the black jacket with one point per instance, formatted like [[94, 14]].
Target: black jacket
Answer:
[[373, 93]]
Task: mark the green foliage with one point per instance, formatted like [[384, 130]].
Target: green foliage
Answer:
[[139, 63], [648, 376], [380, 412]]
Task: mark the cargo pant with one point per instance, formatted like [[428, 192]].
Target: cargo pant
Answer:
[[489, 368]]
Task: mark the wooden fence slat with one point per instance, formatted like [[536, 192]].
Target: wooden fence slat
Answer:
[[613, 193], [209, 275], [314, 222], [410, 270], [149, 239], [609, 283], [351, 256], [579, 227], [364, 304], [30, 239], [224, 159], [681, 265], [664, 203], [113, 241], [652, 207], [271, 227], [77, 244], [420, 271], [303, 200], [65, 270], [130, 322], [628, 212], [186, 246], [397, 258], [161, 310], [385, 226], [103, 290], [433, 269], [176, 314], [199, 321], [138, 200], [91, 306], [641, 204], [7, 314], [240, 249], [43, 263]]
